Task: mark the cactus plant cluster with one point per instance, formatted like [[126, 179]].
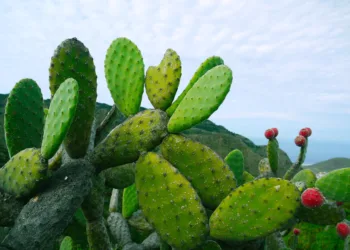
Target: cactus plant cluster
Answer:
[[169, 191]]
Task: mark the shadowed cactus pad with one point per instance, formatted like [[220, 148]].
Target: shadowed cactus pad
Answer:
[[235, 160], [208, 64], [207, 172], [140, 133], [120, 177], [73, 60], [327, 214], [163, 80], [24, 117], [306, 176], [23, 173], [170, 203], [255, 210], [335, 185], [202, 100], [124, 72], [247, 177], [60, 116]]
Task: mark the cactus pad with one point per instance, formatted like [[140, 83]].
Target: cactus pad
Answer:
[[120, 177], [335, 185], [207, 172], [306, 176], [170, 203], [264, 166], [202, 100], [60, 116], [247, 177], [272, 154], [130, 201], [142, 132], [23, 174], [255, 209], [327, 214], [235, 160], [163, 80], [124, 72], [24, 117], [73, 60], [208, 64], [67, 243]]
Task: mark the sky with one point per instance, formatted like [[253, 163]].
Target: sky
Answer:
[[290, 59]]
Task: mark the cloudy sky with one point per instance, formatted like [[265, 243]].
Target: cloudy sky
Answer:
[[290, 58]]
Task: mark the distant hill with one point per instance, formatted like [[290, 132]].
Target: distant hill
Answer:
[[329, 165], [215, 136]]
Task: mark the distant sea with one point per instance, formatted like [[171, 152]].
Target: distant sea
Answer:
[[317, 150]]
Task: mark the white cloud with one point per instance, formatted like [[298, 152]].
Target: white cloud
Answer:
[[286, 56]]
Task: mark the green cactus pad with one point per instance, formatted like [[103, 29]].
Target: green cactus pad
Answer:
[[235, 160], [327, 214], [67, 243], [208, 173], [272, 154], [163, 80], [24, 117], [46, 111], [73, 60], [306, 176], [170, 203], [247, 177], [130, 201], [255, 210], [202, 100], [59, 119], [124, 72], [140, 133], [23, 174], [208, 64], [120, 177], [335, 185]]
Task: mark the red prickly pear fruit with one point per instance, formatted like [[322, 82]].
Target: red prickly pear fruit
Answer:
[[312, 198], [339, 203], [296, 231], [306, 132], [275, 130], [343, 229], [300, 140], [269, 134]]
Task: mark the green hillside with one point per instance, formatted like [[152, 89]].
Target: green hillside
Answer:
[[215, 136], [329, 165]]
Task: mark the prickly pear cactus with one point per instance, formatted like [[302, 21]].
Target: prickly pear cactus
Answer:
[[202, 100], [124, 72], [60, 116], [140, 133], [335, 185], [235, 161], [327, 214], [208, 64], [272, 154], [163, 80], [130, 201], [306, 176], [73, 60], [255, 210], [207, 172], [170, 203], [24, 117], [24, 173]]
